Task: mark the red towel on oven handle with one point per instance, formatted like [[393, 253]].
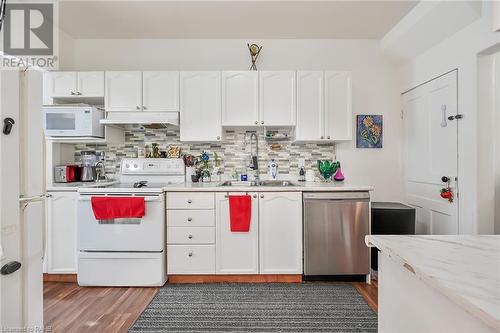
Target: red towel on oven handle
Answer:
[[240, 212], [107, 208]]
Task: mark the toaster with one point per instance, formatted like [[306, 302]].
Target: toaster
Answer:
[[66, 173]]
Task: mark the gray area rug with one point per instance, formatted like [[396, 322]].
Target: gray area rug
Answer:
[[270, 307]]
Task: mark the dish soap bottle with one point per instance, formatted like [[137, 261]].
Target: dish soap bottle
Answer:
[[339, 176], [273, 169], [302, 174]]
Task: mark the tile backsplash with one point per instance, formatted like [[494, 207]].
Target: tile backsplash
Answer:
[[234, 150]]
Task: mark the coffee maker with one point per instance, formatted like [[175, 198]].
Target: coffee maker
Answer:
[[88, 172]]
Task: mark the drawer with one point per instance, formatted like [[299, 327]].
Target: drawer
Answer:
[[189, 200], [190, 218], [190, 235], [191, 259]]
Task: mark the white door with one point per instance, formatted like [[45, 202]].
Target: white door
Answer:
[[123, 91], [280, 236], [160, 91], [200, 115], [277, 98], [431, 153], [10, 251], [338, 106], [310, 106], [236, 252], [90, 84], [240, 98], [61, 232], [62, 84]]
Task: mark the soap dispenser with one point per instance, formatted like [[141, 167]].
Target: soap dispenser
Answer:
[[273, 169]]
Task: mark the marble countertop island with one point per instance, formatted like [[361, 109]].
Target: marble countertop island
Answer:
[[464, 268]]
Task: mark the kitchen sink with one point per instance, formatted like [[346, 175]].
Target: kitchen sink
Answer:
[[277, 183]]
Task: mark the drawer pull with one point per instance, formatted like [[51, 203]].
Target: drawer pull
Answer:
[[190, 201], [190, 254], [190, 236], [189, 219]]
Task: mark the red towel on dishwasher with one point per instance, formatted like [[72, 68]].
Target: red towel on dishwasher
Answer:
[[107, 208], [240, 212]]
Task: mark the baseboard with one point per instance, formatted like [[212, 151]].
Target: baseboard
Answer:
[[59, 277], [267, 278]]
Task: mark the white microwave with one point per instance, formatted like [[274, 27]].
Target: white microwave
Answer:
[[72, 120]]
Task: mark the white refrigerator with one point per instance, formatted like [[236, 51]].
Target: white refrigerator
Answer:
[[22, 198]]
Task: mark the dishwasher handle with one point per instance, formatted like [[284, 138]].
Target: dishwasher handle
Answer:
[[361, 195]]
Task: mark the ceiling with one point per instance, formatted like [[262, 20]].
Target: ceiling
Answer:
[[231, 19]]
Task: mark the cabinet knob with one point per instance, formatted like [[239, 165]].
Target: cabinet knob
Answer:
[[328, 137], [190, 236], [78, 93], [137, 107], [189, 219], [218, 137], [72, 92], [144, 108], [262, 122], [322, 137], [262, 196], [256, 122], [255, 195], [190, 201], [190, 254]]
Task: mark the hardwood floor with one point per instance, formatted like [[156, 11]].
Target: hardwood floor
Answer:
[[70, 308]]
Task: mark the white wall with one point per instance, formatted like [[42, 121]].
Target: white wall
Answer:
[[375, 85], [460, 51]]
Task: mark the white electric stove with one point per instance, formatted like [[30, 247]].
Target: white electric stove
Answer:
[[127, 251]]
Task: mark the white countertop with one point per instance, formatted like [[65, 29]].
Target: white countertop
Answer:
[[465, 268], [215, 187], [300, 187]]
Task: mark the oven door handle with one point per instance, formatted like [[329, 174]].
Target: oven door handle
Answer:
[[147, 199]]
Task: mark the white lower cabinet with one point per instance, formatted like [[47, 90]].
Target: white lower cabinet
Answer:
[[191, 259], [237, 252], [280, 234], [61, 252]]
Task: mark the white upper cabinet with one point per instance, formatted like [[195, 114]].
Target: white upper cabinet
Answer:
[[310, 115], [90, 84], [277, 98], [62, 84], [200, 115], [338, 105], [160, 91], [280, 235], [123, 91], [74, 84], [237, 252], [240, 98]]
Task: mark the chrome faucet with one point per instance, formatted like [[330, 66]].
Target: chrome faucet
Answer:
[[254, 155]]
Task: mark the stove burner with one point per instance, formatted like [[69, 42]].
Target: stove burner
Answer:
[[140, 184]]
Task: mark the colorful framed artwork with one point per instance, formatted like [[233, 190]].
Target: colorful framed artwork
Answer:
[[369, 131]]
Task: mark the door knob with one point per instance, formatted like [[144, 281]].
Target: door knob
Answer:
[[445, 179], [10, 267], [7, 125]]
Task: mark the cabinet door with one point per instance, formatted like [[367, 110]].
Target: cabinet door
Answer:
[[236, 252], [338, 108], [123, 91], [62, 84], [200, 106], [309, 106], [280, 236], [61, 232], [160, 91], [90, 84], [277, 98], [240, 98]]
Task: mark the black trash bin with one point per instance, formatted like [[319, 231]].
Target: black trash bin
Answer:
[[391, 218]]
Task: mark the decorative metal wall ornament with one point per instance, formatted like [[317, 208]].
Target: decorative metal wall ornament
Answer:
[[254, 53]]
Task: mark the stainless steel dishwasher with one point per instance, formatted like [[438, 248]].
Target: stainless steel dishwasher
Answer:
[[335, 225]]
